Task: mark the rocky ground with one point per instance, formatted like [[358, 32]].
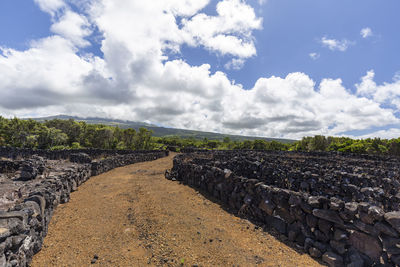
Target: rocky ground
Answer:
[[133, 216], [18, 177]]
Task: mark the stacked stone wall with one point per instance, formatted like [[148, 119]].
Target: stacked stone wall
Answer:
[[14, 153], [340, 208], [27, 205]]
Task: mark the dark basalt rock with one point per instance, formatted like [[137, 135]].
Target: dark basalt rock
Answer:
[[315, 253], [376, 213], [328, 215], [339, 247], [355, 259], [336, 204], [395, 259], [366, 228], [325, 226], [267, 206], [393, 218], [80, 158], [31, 189], [384, 228], [340, 235], [333, 204], [332, 259], [390, 242], [366, 244], [351, 208], [277, 223]]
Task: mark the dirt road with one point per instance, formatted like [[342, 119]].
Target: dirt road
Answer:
[[133, 216]]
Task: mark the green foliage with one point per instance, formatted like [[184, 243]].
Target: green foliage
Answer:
[[70, 134], [394, 146], [142, 139], [75, 145], [59, 147], [345, 144]]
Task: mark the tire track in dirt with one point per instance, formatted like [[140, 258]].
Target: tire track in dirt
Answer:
[[133, 216]]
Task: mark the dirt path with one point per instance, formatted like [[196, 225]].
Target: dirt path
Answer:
[[133, 216]]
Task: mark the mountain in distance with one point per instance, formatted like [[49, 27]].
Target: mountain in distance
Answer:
[[159, 131]]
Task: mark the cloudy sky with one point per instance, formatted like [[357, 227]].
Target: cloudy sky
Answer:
[[275, 68]]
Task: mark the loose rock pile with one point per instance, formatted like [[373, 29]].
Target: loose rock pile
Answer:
[[341, 208], [32, 187]]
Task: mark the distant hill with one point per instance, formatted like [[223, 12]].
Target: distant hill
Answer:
[[162, 131]]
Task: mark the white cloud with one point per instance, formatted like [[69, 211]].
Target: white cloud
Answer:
[[48, 73], [262, 2], [228, 33], [67, 23], [366, 32], [234, 64], [367, 86], [50, 6], [74, 27], [314, 55], [136, 81], [336, 45], [293, 106], [387, 134], [186, 7], [387, 93], [396, 76]]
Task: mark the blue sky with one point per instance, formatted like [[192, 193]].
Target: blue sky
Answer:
[[232, 66], [20, 22], [292, 30]]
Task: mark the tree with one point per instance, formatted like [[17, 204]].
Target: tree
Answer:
[[57, 137], [212, 144], [319, 143], [259, 145], [394, 147], [103, 137], [277, 146], [71, 134], [128, 137], [70, 127], [31, 141], [142, 140], [247, 144]]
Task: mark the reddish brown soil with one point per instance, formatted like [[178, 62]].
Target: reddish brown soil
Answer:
[[133, 216]]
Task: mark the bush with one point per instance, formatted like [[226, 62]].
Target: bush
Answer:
[[76, 145], [59, 147]]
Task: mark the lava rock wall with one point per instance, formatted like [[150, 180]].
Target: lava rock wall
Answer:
[[342, 209], [14, 153], [24, 224]]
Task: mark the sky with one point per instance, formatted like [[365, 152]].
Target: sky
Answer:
[[273, 68]]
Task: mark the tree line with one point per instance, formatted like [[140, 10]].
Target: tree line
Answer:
[[345, 144], [307, 144], [71, 134]]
